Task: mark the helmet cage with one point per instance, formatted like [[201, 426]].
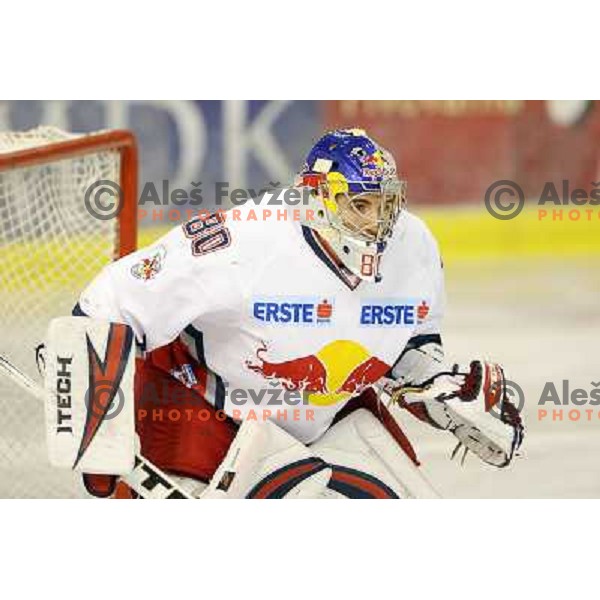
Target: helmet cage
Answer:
[[346, 218]]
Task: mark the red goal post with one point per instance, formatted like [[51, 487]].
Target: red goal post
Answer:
[[51, 247], [120, 140]]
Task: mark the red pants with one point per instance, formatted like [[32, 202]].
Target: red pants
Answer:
[[180, 432]]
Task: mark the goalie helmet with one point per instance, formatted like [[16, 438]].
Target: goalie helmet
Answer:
[[344, 170]]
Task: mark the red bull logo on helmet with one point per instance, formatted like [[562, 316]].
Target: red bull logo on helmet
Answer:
[[338, 371]]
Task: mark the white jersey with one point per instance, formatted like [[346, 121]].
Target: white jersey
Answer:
[[279, 326]]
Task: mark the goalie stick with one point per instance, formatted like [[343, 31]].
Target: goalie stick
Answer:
[[145, 479]]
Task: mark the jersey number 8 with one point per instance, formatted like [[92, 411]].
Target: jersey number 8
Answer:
[[208, 234]]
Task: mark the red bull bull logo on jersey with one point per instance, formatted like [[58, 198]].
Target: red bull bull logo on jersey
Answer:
[[338, 371]]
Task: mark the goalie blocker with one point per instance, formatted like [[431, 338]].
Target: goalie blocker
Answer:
[[89, 371]]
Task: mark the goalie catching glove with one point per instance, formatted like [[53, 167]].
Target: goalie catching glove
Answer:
[[472, 404]]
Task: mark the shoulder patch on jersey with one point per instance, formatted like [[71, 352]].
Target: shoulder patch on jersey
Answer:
[[148, 268]]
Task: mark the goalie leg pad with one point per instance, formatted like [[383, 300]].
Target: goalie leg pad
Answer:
[[367, 462], [265, 461], [356, 458]]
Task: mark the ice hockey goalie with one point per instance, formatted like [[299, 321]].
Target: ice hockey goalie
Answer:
[[271, 341]]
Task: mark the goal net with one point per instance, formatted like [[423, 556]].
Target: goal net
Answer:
[[53, 240]]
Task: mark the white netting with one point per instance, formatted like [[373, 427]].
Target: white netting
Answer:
[[50, 247]]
